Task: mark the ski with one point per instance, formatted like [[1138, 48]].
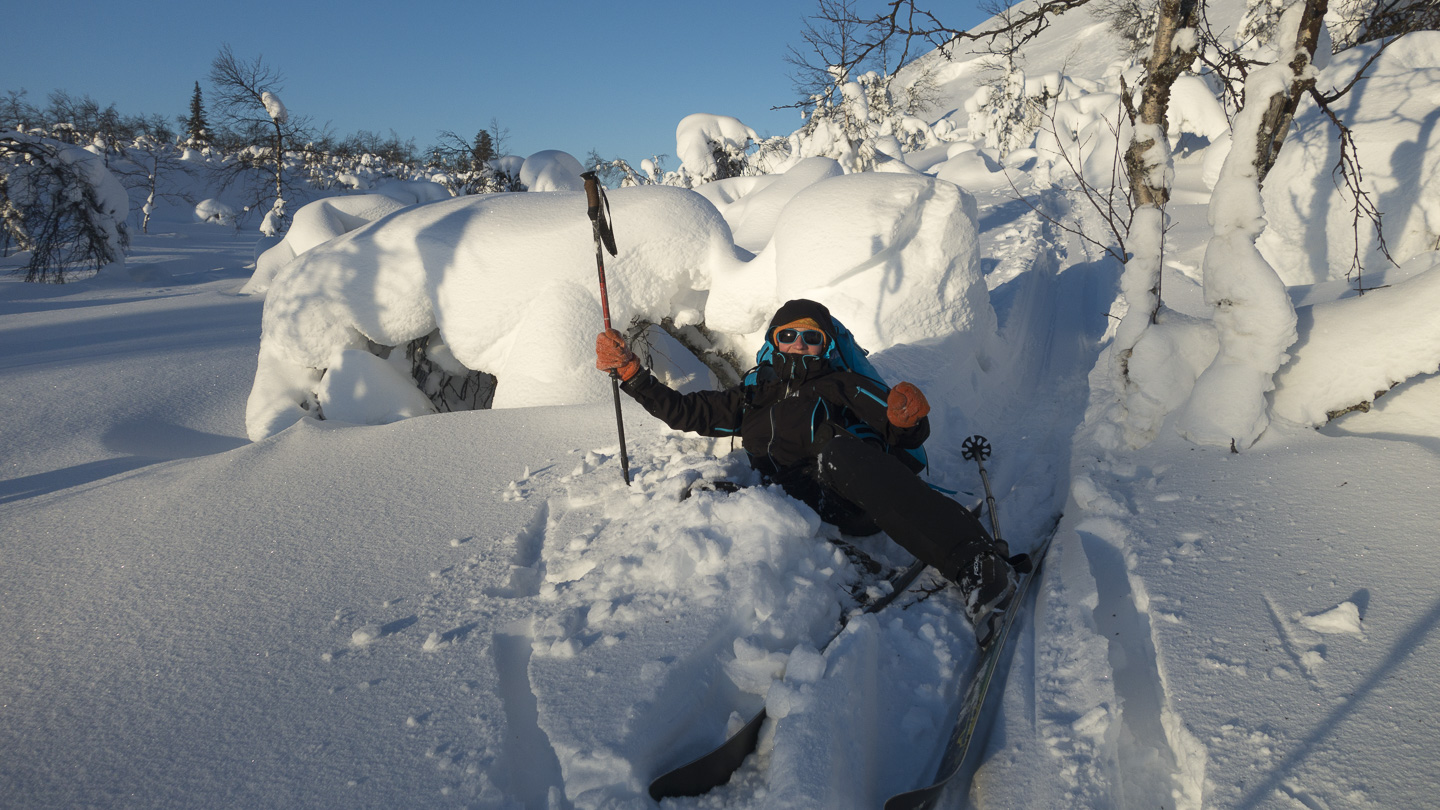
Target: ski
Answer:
[[958, 753], [711, 770]]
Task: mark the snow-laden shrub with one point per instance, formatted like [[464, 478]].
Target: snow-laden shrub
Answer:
[[711, 147], [507, 281], [864, 123], [895, 257], [316, 223], [215, 212], [1312, 232], [60, 203], [552, 170]]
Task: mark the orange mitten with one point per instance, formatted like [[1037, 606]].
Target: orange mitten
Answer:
[[612, 355], [906, 406]]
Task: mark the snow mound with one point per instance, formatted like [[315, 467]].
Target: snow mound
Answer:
[[412, 192], [552, 170], [215, 211], [1343, 618], [1311, 235], [753, 217], [1352, 350], [893, 256], [508, 280], [316, 223], [363, 389], [697, 137]]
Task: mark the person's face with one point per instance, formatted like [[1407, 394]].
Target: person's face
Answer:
[[800, 341]]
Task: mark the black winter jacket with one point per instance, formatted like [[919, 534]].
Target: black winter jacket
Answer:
[[782, 424]]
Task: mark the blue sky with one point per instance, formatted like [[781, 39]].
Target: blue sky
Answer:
[[616, 77]]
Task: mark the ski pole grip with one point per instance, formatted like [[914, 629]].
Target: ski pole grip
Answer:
[[592, 194]]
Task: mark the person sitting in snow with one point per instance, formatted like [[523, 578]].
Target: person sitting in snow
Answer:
[[798, 417]]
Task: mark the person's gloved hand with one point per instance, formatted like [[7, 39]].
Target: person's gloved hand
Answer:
[[906, 406], [611, 354]]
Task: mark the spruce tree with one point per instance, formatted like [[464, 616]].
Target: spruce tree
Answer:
[[482, 152], [197, 131]]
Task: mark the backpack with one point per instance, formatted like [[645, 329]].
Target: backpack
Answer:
[[845, 355]]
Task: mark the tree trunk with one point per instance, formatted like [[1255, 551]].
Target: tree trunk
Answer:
[[1281, 111], [1168, 60]]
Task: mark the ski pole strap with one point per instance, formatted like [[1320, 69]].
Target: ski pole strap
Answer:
[[598, 207]]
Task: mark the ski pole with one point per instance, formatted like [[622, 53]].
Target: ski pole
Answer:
[[605, 240], [977, 449]]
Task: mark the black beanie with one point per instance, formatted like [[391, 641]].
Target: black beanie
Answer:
[[801, 308]]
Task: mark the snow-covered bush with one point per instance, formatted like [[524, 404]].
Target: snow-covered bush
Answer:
[[552, 170], [841, 241], [503, 284], [506, 281], [863, 122], [316, 223], [61, 204], [216, 212], [1010, 109], [711, 147]]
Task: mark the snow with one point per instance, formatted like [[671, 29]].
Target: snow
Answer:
[[397, 608], [274, 107], [215, 211], [698, 135], [496, 276], [1312, 235], [315, 223], [552, 170], [1332, 371]]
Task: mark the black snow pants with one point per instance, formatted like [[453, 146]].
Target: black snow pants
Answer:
[[863, 485]]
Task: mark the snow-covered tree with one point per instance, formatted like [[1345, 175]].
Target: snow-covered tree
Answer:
[[1133, 20], [1253, 314], [1008, 108], [1150, 171], [862, 121], [61, 204], [247, 100], [154, 166]]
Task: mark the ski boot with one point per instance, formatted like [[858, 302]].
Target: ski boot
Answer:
[[988, 584]]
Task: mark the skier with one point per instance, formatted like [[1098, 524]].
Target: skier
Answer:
[[801, 418]]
